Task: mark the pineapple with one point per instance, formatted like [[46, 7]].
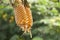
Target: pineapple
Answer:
[[23, 16]]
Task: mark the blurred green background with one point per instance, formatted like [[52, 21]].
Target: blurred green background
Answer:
[[46, 17]]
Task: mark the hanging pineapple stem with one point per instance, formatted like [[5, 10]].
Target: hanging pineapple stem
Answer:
[[26, 3], [15, 3]]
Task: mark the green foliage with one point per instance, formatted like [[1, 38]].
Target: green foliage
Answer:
[[46, 17], [37, 38], [16, 37]]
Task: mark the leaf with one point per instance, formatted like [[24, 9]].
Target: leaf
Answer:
[[16, 37], [37, 38]]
